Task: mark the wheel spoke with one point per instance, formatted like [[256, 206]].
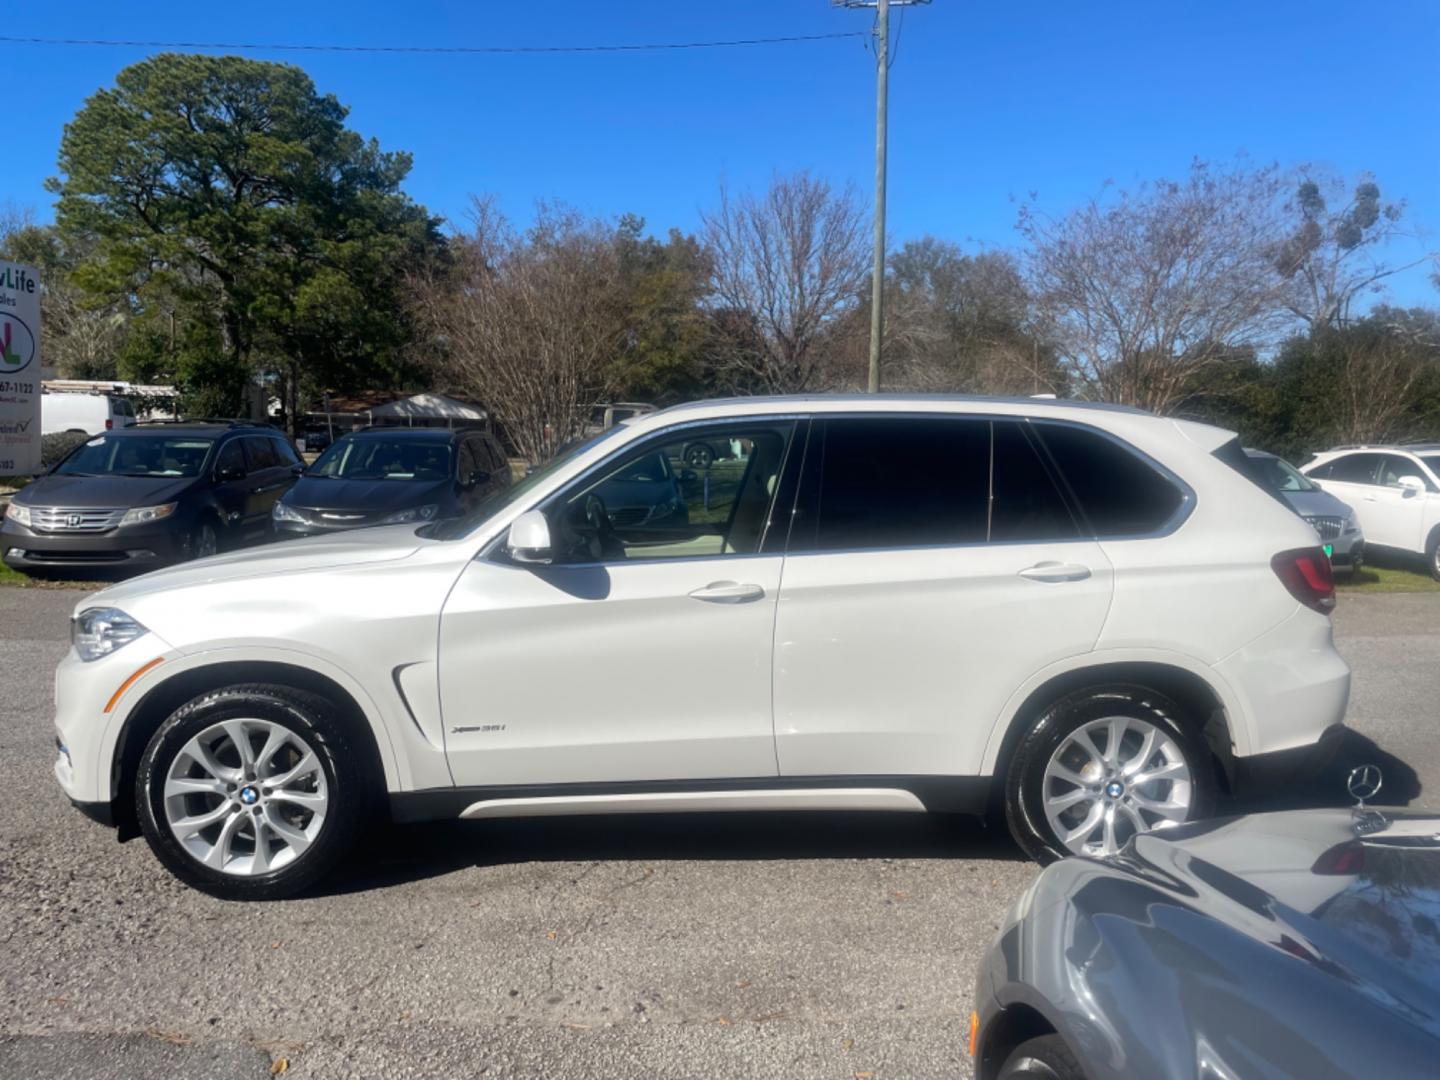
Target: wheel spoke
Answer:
[[219, 855], [1136, 819], [1170, 770], [278, 737], [1086, 827], [193, 823], [1057, 803], [1114, 736], [261, 863], [194, 785], [296, 838], [1059, 771], [311, 800], [201, 755], [235, 729], [1109, 846], [1143, 755], [1172, 811], [307, 764]]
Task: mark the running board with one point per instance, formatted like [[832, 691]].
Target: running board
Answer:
[[699, 802]]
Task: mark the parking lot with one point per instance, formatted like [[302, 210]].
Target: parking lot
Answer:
[[793, 946]]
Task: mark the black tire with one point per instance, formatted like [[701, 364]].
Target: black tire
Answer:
[[699, 456], [204, 540], [313, 719], [1024, 780], [1432, 555], [1043, 1058]]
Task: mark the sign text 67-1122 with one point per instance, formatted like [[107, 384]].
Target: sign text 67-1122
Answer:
[[19, 370]]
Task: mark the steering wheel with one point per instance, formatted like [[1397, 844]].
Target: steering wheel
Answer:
[[603, 542]]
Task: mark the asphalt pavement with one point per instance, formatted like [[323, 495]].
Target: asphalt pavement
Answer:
[[792, 946]]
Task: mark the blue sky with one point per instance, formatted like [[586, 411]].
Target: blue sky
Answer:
[[989, 102]]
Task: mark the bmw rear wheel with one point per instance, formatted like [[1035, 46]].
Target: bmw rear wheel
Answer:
[[246, 793], [1101, 766]]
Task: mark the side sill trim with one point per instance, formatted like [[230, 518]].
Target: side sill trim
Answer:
[[699, 801], [936, 794]]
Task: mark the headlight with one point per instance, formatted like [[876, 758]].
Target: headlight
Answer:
[[143, 515], [1352, 524], [98, 632], [281, 512], [415, 513], [18, 513]]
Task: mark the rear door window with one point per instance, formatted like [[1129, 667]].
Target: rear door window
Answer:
[[1026, 503], [1119, 493], [260, 452], [899, 482], [231, 458]]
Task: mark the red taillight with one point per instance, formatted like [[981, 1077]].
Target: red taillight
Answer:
[[1306, 573], [109, 424]]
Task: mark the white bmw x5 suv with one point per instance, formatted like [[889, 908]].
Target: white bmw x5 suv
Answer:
[[1089, 613]]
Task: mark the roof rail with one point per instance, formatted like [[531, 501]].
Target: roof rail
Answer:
[[217, 421]]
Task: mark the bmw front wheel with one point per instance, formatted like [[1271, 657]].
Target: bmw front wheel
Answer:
[[247, 792]]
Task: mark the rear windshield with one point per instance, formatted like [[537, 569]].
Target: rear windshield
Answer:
[[138, 455], [384, 459], [1234, 455], [1278, 474]]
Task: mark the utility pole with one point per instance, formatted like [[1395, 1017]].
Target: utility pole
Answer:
[[882, 111]]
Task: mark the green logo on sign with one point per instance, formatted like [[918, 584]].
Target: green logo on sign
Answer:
[[17, 344]]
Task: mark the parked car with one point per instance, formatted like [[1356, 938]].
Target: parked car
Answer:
[[387, 476], [905, 604], [150, 495], [1395, 490], [90, 413], [316, 441], [1294, 944], [1337, 525], [608, 414]]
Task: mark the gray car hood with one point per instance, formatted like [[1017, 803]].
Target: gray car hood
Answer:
[[1316, 504]]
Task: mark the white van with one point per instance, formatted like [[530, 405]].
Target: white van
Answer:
[[90, 413]]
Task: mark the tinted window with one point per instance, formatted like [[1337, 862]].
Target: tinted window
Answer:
[[468, 463], [232, 457], [1025, 503], [1354, 468], [286, 452], [648, 504], [261, 454], [903, 482], [1119, 493]]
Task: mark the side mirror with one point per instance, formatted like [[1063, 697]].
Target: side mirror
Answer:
[[529, 539], [1413, 485], [297, 470], [475, 479], [232, 472]]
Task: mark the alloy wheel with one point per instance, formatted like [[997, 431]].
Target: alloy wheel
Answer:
[[1112, 778], [246, 797]]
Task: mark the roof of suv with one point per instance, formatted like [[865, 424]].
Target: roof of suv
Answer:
[[795, 401]]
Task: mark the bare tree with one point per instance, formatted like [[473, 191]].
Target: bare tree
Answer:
[[1147, 289], [786, 266], [1382, 365], [1333, 252], [528, 323]]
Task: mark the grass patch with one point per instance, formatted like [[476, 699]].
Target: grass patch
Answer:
[[1385, 579], [16, 579]]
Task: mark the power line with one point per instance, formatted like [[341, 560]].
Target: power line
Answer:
[[454, 49]]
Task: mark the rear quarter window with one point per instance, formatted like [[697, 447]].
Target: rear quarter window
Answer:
[[1119, 492]]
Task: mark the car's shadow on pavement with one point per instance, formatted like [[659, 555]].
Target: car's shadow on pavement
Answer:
[[1328, 787], [394, 855]]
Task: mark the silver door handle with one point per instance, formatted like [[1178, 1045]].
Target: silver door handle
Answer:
[[728, 592], [1054, 572]]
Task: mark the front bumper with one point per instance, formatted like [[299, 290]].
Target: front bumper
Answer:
[[134, 546]]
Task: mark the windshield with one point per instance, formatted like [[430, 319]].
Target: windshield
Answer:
[[384, 459], [1281, 475], [463, 526], [138, 455]]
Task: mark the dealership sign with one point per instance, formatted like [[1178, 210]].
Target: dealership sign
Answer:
[[19, 370]]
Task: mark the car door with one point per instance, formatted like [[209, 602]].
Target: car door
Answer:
[[232, 488], [933, 567], [1398, 512], [643, 653], [269, 478], [1351, 478]]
